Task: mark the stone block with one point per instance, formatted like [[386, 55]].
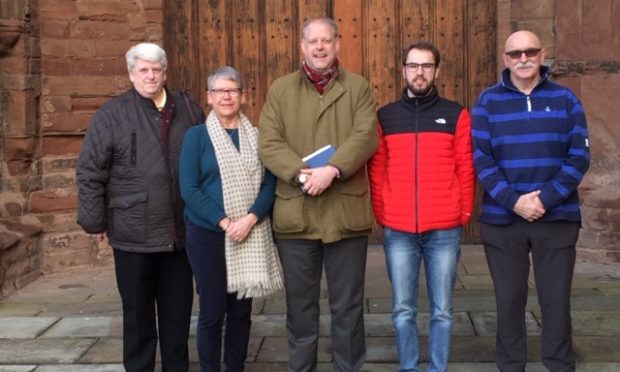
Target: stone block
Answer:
[[105, 10], [57, 9], [99, 66], [56, 67], [94, 30], [65, 122], [568, 37], [59, 222], [19, 167], [55, 29], [61, 145], [116, 48], [63, 48], [56, 104], [20, 148], [14, 65], [85, 86], [16, 82], [64, 250], [88, 104], [53, 201], [58, 164], [596, 23], [24, 327], [64, 180], [152, 4], [20, 114], [534, 9]]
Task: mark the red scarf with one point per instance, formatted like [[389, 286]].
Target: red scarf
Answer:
[[320, 79]]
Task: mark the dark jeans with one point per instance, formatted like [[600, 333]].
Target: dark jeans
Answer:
[[552, 248], [157, 294], [207, 257], [345, 265]]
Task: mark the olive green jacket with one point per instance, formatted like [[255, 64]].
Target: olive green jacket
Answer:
[[295, 121]]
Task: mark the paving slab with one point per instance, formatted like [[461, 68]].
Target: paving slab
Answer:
[[86, 327], [485, 323], [44, 351], [24, 327]]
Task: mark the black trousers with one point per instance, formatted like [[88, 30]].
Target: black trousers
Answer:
[[157, 294], [218, 308], [345, 267], [552, 249]]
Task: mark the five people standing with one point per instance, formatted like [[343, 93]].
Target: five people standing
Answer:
[[530, 152], [422, 183]]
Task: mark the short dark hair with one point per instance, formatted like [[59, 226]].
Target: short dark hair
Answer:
[[423, 45]]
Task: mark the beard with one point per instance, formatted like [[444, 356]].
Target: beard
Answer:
[[422, 90]]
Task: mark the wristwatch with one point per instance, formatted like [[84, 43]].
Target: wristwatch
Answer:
[[302, 178]]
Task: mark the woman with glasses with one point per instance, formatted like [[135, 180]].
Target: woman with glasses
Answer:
[[228, 195]]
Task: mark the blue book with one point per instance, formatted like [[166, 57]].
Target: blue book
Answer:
[[320, 157]]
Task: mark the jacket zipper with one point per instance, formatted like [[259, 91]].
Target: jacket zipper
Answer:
[[529, 106], [415, 164], [133, 148]]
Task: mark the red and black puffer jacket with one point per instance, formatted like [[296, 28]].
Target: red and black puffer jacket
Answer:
[[422, 175]]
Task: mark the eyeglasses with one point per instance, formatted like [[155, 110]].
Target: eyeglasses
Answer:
[[413, 67], [219, 93], [529, 53]]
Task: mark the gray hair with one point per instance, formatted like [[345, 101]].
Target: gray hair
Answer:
[[147, 52], [225, 73], [326, 20]]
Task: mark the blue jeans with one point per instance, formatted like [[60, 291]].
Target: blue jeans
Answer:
[[440, 250]]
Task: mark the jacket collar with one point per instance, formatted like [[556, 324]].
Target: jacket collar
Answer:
[[148, 103], [423, 102], [545, 71]]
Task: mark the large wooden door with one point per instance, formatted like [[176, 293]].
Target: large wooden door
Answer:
[[261, 39]]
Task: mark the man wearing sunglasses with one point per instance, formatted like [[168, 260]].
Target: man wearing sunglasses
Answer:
[[531, 151]]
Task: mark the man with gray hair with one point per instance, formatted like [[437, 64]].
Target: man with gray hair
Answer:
[[128, 189]]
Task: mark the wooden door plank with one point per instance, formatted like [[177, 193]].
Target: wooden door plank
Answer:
[[214, 39], [416, 18], [381, 42], [449, 33], [281, 42], [482, 71], [180, 44], [246, 49], [348, 14]]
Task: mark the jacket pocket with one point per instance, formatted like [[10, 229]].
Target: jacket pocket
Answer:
[[356, 211], [128, 221], [288, 216]]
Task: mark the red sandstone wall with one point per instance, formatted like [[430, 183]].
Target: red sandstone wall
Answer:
[[83, 43], [59, 61]]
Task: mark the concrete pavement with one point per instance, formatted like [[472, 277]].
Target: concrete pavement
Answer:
[[72, 321]]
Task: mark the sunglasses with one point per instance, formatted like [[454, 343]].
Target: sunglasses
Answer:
[[529, 53]]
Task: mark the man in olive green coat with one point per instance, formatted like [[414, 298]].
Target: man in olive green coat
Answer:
[[321, 214]]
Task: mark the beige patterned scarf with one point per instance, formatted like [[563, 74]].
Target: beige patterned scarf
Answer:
[[252, 266]]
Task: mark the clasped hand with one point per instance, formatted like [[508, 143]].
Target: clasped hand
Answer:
[[319, 179], [529, 206]]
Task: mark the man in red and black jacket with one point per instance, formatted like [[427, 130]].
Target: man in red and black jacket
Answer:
[[422, 185]]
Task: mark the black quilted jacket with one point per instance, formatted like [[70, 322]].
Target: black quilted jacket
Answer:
[[128, 184]]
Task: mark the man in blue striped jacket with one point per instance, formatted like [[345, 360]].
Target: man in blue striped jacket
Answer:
[[531, 151]]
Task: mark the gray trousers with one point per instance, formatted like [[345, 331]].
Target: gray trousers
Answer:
[[345, 266]]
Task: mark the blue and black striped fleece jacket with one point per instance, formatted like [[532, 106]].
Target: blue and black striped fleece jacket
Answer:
[[523, 143]]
